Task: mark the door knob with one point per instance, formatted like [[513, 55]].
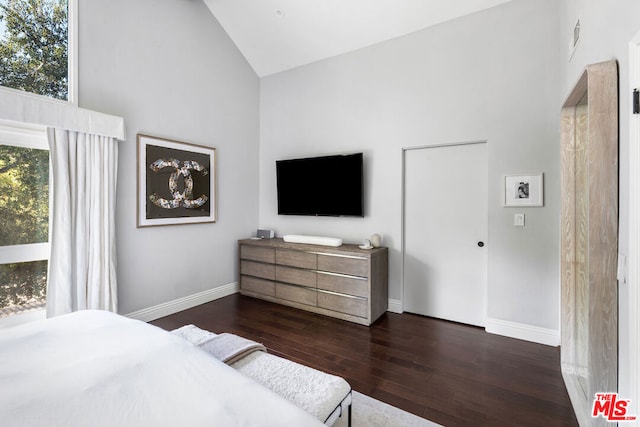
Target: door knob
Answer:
[[480, 244]]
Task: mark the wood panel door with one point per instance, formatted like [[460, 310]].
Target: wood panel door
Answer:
[[445, 232], [589, 238]]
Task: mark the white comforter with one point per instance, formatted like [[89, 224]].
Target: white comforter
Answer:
[[94, 368]]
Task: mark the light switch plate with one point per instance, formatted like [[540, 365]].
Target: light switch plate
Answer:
[[622, 269], [518, 220]]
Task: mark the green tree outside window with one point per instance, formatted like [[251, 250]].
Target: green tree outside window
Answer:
[[24, 219], [34, 47]]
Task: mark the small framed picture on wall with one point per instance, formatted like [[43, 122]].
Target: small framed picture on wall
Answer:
[[524, 190]]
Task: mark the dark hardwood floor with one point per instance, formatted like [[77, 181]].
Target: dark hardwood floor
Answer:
[[449, 373]]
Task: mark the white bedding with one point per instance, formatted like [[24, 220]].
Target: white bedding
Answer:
[[95, 368]]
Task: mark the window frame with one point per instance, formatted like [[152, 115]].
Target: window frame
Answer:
[[72, 61], [27, 136], [72, 53]]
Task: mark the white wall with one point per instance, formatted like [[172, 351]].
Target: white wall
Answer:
[[170, 70], [493, 76], [606, 30]]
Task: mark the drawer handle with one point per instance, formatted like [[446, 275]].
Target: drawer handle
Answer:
[[342, 295], [342, 275], [341, 256]]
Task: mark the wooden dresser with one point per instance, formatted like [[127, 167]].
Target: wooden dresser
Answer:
[[344, 282]]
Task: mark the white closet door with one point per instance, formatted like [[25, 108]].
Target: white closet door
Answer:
[[445, 232]]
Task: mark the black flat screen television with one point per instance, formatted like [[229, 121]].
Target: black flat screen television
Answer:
[[321, 186]]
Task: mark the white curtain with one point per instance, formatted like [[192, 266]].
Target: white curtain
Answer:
[[82, 265]]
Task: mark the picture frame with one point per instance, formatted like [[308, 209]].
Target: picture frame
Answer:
[[523, 190], [176, 182]]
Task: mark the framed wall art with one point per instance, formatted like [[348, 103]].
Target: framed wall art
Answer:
[[524, 190], [176, 182]]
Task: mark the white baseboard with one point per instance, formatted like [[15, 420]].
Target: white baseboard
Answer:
[[395, 306], [523, 332], [494, 326], [180, 304]]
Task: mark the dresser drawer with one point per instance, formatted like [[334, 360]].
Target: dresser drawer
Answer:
[[343, 284], [257, 253], [296, 294], [338, 264], [261, 286], [296, 276], [344, 304], [257, 269], [296, 259]]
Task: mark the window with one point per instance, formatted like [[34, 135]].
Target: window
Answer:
[[36, 47], [24, 218]]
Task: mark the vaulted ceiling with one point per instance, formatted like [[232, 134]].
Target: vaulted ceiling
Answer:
[[277, 35]]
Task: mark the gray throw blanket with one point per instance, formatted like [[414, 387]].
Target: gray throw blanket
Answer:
[[228, 348]]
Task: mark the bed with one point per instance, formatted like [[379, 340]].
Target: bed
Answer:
[[95, 368]]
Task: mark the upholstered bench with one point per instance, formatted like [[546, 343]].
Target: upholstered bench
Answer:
[[322, 395]]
